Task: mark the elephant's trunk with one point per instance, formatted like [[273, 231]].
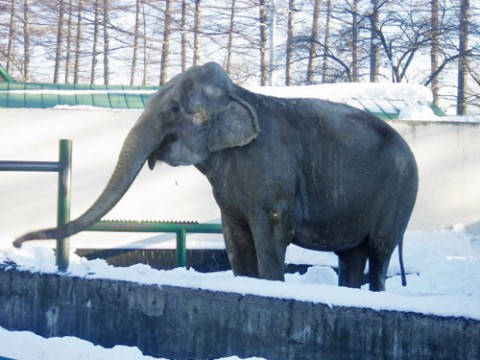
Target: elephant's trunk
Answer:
[[138, 145]]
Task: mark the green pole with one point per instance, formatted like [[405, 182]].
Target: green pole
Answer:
[[181, 251], [63, 205]]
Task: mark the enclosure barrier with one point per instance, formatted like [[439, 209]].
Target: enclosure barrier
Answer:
[[180, 228], [64, 168]]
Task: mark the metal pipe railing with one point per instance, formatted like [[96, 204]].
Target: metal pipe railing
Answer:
[[64, 169], [179, 228]]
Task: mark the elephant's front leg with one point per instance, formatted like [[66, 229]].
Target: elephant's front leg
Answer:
[[240, 247], [272, 231]]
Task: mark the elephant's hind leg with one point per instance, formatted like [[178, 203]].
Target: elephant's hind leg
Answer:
[[379, 259], [351, 266]]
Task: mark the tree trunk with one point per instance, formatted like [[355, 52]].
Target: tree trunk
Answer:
[[355, 30], [196, 34], [184, 36], [95, 42], [11, 37], [106, 43], [290, 42], [435, 49], [463, 59], [326, 42], [228, 65], [263, 43], [68, 54], [26, 42], [78, 43], [58, 48], [167, 29], [312, 54], [136, 36], [374, 23], [145, 47]]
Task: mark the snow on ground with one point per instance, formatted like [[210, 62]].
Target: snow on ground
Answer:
[[442, 268], [25, 345]]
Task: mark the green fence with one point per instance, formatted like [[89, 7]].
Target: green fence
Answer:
[[64, 168], [179, 228]]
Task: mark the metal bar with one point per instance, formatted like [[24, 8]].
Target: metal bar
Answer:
[[181, 230], [30, 166], [181, 249], [134, 226], [64, 169], [63, 205]]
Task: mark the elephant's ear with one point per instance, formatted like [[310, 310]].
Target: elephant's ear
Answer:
[[236, 125]]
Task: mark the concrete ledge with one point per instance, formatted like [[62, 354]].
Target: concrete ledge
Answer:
[[184, 323]]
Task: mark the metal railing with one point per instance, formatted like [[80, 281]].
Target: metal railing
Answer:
[[179, 228], [64, 168]]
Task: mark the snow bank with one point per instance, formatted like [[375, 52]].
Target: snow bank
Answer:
[[26, 345], [380, 91], [442, 270]]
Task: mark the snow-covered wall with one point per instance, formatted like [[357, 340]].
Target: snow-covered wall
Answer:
[[447, 156]]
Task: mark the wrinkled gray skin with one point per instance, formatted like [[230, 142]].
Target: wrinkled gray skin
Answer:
[[317, 174]]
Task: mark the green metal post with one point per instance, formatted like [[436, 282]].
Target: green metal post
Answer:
[[63, 206], [181, 251]]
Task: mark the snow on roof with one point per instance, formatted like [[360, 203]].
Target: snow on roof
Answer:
[[385, 100]]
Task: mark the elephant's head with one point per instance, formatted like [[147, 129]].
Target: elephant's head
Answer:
[[196, 113]]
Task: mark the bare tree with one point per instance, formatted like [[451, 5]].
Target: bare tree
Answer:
[[228, 63], [434, 49], [167, 30], [196, 34], [263, 43], [11, 36], [312, 55], [68, 54], [26, 41], [326, 43], [354, 44], [59, 44], [374, 42], [106, 43], [183, 41], [95, 41], [78, 42], [290, 42], [463, 58], [136, 37]]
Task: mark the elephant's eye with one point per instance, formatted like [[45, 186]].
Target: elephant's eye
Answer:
[[175, 107]]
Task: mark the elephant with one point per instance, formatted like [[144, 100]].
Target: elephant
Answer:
[[322, 175]]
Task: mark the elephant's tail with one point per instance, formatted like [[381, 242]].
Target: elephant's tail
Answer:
[[400, 259]]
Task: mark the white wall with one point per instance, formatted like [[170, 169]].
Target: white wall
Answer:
[[448, 156]]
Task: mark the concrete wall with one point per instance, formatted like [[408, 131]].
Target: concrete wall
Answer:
[[448, 156], [184, 323]]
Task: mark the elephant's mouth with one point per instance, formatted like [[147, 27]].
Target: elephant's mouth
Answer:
[[159, 153]]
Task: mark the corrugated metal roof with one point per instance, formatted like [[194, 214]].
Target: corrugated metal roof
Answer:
[[38, 95]]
